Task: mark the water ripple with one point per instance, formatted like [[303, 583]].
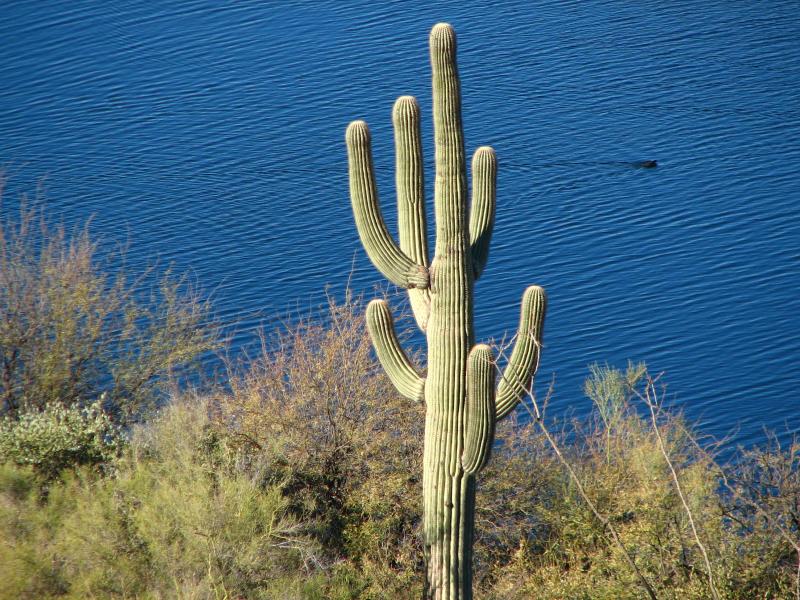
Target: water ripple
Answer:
[[211, 135]]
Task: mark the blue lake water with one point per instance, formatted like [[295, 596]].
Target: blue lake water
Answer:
[[210, 134]]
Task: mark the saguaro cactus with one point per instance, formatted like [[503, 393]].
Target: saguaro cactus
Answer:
[[462, 406]]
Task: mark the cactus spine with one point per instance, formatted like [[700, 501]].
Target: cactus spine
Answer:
[[462, 406]]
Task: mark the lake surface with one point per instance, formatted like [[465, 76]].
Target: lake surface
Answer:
[[211, 135]]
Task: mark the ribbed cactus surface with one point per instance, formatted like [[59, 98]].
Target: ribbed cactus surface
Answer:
[[462, 403]]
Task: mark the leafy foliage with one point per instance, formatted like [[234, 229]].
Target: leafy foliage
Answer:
[[60, 437], [569, 553]]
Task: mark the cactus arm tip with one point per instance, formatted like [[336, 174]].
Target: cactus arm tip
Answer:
[[518, 374], [480, 414], [391, 354], [355, 129], [443, 34], [382, 250], [404, 103]]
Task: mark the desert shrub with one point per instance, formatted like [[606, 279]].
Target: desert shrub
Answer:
[[521, 475], [60, 437], [623, 471], [178, 519], [618, 462], [761, 504], [321, 419], [70, 331]]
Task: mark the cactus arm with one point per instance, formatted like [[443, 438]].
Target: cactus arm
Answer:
[[479, 417], [521, 368], [410, 182], [391, 355], [481, 218], [381, 248]]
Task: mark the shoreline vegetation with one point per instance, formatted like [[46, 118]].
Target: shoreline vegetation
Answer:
[[298, 475]]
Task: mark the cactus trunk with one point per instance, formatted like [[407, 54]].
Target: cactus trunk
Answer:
[[448, 538], [448, 492], [462, 406]]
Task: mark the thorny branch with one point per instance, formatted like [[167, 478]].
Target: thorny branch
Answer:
[[650, 398]]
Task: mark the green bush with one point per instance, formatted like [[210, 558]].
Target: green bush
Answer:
[[325, 424], [179, 519], [60, 437]]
